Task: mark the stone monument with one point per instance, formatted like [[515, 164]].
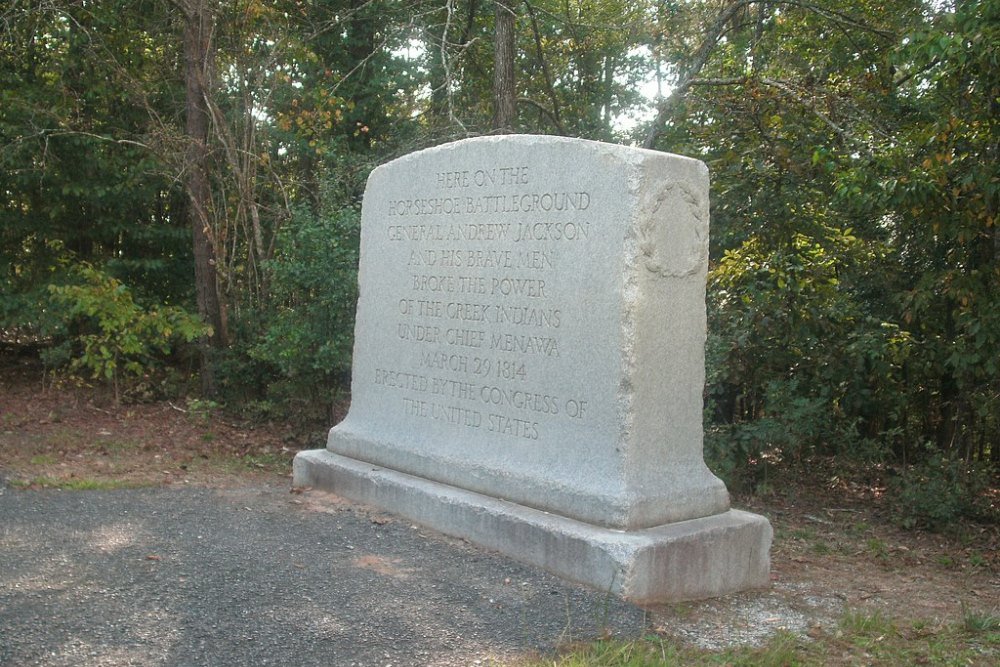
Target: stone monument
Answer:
[[529, 365]]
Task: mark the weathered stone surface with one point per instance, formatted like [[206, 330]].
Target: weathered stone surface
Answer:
[[685, 560], [531, 328]]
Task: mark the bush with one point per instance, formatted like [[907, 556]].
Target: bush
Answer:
[[295, 352], [108, 335], [797, 423], [934, 495]]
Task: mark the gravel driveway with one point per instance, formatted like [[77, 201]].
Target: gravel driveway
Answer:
[[260, 576]]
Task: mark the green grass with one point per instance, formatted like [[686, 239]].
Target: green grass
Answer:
[[821, 548], [862, 624], [858, 529], [806, 534], [268, 461], [783, 649], [977, 623], [861, 638], [878, 548], [118, 446], [647, 652]]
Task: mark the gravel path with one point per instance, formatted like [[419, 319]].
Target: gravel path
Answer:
[[259, 576]]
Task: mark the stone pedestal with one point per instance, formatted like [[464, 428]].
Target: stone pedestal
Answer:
[[529, 364]]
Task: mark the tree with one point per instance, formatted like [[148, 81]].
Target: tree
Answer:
[[851, 222], [504, 98], [933, 184], [79, 180], [199, 75], [578, 65]]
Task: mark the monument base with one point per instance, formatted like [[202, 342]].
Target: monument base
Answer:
[[686, 560]]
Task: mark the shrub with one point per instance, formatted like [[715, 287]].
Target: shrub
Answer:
[[295, 352], [110, 336], [937, 493]]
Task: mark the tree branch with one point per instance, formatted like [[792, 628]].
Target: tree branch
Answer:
[[917, 72], [550, 89], [711, 39], [699, 60], [841, 132], [548, 112]]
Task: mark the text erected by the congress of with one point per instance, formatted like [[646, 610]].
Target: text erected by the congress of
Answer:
[[477, 302]]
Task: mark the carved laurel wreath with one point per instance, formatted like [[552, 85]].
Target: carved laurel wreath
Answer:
[[685, 260]]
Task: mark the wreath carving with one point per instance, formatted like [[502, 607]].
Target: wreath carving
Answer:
[[674, 248]]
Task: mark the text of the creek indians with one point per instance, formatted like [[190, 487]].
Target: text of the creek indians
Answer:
[[477, 306]]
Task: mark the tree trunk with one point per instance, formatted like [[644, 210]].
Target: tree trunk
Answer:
[[361, 50], [199, 24], [504, 101]]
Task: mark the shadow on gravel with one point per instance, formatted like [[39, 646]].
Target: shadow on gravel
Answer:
[[257, 576]]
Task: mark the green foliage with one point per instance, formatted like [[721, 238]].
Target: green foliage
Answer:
[[854, 276], [76, 179], [938, 492], [201, 411], [976, 623], [866, 623], [110, 335], [649, 652], [935, 186], [309, 334], [579, 65], [780, 386], [300, 346]]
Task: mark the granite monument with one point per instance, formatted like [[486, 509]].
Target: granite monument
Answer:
[[528, 365]]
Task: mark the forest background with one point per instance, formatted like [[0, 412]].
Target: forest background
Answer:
[[180, 187]]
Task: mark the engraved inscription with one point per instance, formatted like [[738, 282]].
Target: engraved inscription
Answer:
[[427, 393], [478, 302], [546, 202], [483, 259]]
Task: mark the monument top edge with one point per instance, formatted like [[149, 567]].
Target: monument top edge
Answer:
[[495, 141]]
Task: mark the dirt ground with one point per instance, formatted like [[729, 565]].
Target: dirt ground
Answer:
[[836, 549], [61, 434]]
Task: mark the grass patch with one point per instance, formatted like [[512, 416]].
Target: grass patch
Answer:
[[273, 462], [861, 638], [647, 652], [821, 548], [858, 529], [878, 548], [118, 446], [862, 624], [783, 649], [56, 439], [874, 639], [979, 623], [805, 534]]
